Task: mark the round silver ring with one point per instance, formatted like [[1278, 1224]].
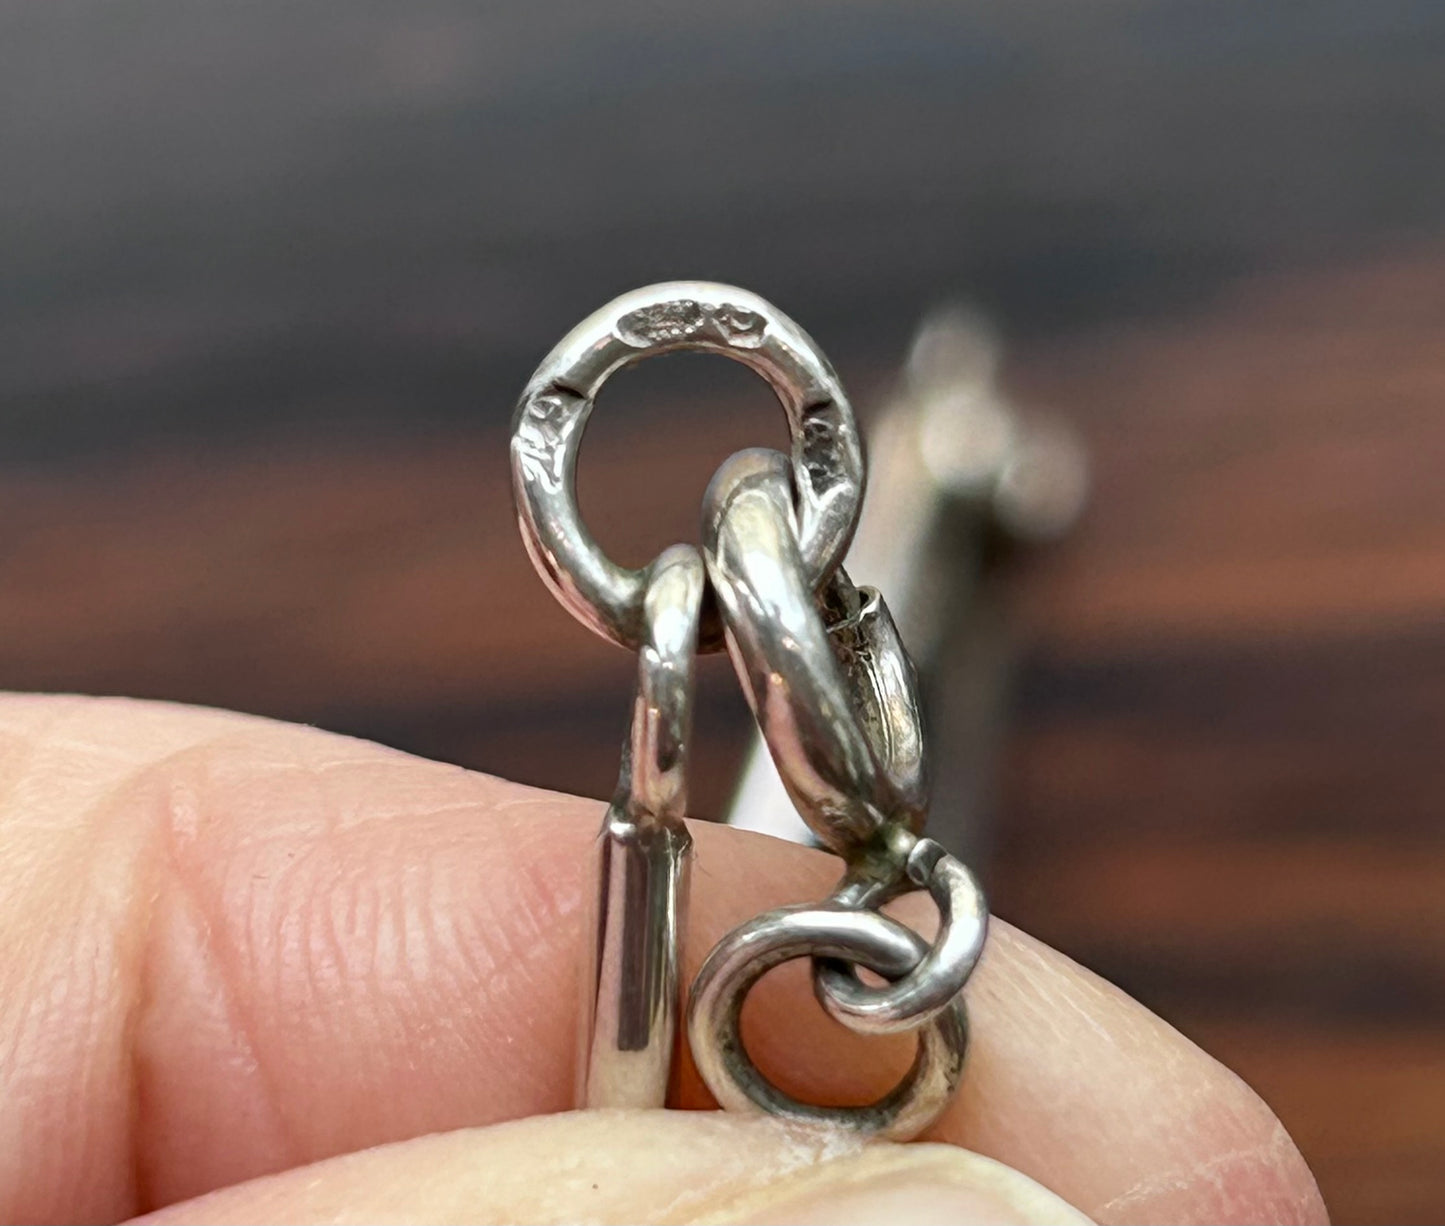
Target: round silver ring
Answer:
[[931, 986], [865, 938], [850, 778], [827, 450]]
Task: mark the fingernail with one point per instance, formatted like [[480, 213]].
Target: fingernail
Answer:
[[906, 1185]]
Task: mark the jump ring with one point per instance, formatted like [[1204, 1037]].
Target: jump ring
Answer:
[[931, 986], [863, 937], [827, 451]]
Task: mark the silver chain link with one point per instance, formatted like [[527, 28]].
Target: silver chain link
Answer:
[[835, 698]]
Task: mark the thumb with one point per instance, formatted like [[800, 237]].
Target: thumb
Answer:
[[640, 1167]]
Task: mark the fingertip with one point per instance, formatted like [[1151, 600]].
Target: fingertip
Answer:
[[1062, 1059], [340, 945], [641, 1167]]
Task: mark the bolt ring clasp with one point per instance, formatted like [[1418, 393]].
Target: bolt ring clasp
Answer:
[[827, 467]]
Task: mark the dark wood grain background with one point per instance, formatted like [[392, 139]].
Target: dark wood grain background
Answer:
[[271, 275]]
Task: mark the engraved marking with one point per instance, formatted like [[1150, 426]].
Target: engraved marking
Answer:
[[666, 323], [540, 439], [818, 446], [739, 326], [686, 322]]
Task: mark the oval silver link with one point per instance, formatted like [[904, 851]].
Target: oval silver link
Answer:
[[643, 857], [864, 938], [654, 765], [827, 451], [802, 698], [931, 986]]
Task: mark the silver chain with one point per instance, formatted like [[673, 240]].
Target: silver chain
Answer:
[[835, 698]]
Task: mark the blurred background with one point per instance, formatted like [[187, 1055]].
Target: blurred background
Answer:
[[272, 274]]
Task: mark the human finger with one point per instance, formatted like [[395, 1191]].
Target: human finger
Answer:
[[639, 1167], [240, 946]]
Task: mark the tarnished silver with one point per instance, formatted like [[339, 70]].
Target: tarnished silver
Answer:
[[835, 698], [862, 938], [643, 857], [837, 708], [827, 452]]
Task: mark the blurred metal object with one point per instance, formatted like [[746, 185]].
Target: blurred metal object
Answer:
[[837, 708], [959, 475], [644, 856], [827, 453]]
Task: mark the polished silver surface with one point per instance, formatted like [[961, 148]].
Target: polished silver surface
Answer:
[[835, 698], [956, 471], [806, 705], [862, 938], [643, 857], [934, 984], [827, 452]]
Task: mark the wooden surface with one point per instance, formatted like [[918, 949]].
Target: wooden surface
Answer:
[[1226, 784], [272, 276]]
